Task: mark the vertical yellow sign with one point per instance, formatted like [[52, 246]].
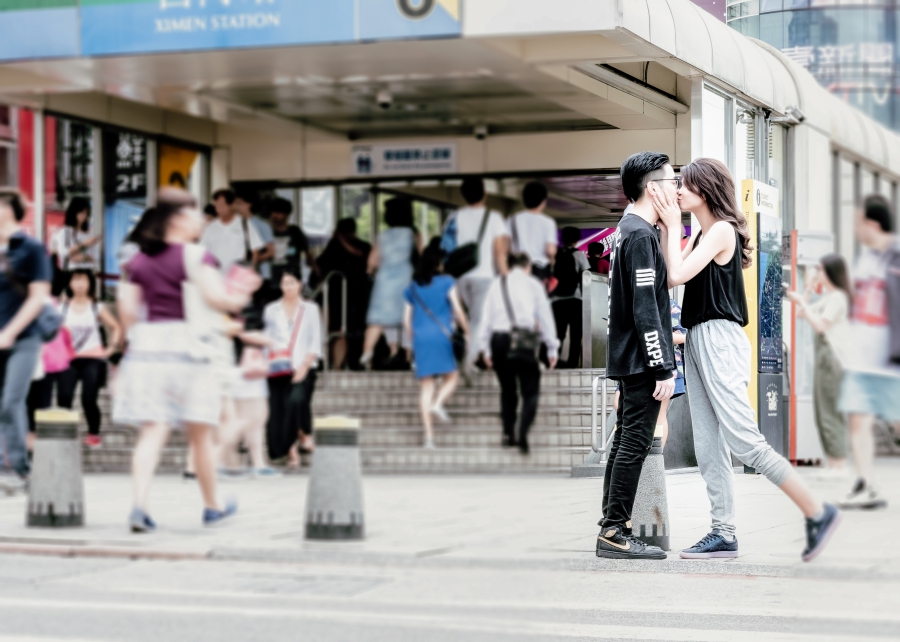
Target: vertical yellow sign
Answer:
[[756, 198]]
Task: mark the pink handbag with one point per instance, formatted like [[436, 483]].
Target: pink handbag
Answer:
[[58, 353]]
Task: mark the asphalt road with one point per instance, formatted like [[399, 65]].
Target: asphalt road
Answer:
[[52, 599]]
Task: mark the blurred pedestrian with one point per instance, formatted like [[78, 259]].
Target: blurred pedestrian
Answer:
[[348, 255], [24, 289], [566, 296], [167, 379], [432, 304], [87, 321], [292, 325], [871, 385], [533, 232], [392, 261], [475, 224], [717, 353], [74, 246], [517, 320], [596, 259], [231, 238], [829, 318], [291, 246]]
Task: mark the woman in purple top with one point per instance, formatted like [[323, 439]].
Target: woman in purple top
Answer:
[[168, 379]]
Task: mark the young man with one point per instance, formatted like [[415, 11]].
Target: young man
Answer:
[[24, 288], [492, 251], [871, 383], [640, 354], [245, 202], [533, 232], [289, 241], [566, 296], [229, 237]]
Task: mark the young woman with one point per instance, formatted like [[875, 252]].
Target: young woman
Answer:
[[392, 263], [165, 378], [829, 318], [83, 317], [73, 246], [432, 304], [293, 327], [717, 359]]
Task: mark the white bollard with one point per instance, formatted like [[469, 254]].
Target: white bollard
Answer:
[[56, 493]]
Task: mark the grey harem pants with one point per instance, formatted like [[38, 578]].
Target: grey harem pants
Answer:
[[717, 368]]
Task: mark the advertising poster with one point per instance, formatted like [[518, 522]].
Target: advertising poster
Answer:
[[770, 294]]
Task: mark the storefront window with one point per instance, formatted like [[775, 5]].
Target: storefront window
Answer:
[[317, 209], [68, 173]]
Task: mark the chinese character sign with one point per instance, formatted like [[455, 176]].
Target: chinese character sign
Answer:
[[396, 160], [124, 166]]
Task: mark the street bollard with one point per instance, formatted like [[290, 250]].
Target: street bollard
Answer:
[[650, 516], [334, 503], [56, 493]]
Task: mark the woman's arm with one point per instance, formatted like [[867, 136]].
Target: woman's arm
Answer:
[[128, 302], [374, 258], [818, 322], [38, 291], [212, 287], [108, 319], [407, 319], [458, 313]]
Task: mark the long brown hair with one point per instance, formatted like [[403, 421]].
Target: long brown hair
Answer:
[[712, 180], [835, 269]]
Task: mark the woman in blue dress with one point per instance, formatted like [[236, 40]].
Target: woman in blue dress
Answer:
[[393, 258], [432, 304]]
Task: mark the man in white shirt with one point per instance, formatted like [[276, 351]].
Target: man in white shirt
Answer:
[[244, 203], [492, 251], [533, 232], [230, 238], [527, 309]]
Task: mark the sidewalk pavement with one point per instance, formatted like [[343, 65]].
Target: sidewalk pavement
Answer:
[[481, 521]]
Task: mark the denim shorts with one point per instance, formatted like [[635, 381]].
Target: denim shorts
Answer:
[[866, 393]]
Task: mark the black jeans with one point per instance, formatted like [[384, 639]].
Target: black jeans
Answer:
[[567, 314], [290, 411], [513, 376], [637, 415], [91, 373]]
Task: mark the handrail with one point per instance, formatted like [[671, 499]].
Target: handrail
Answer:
[[324, 289], [603, 449]]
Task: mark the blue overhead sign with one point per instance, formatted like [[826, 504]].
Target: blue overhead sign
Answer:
[[35, 29]]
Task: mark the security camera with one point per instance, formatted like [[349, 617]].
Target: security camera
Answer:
[[384, 99], [481, 132], [796, 113]]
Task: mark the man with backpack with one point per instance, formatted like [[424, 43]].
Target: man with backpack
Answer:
[[533, 232], [871, 385], [566, 296], [477, 240]]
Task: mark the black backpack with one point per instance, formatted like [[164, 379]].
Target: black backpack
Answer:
[[566, 272]]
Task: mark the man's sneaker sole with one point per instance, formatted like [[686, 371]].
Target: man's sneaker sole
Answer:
[[814, 553], [623, 555], [873, 504], [708, 556]]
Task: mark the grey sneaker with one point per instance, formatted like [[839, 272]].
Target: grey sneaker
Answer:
[[863, 497], [11, 483], [140, 522]]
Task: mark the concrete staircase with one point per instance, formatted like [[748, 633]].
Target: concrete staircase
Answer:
[[391, 437]]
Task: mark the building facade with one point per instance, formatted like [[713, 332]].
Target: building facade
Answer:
[[849, 46]]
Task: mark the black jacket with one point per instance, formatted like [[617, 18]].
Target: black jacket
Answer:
[[640, 316]]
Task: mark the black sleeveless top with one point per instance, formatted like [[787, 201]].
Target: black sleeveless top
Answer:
[[716, 292]]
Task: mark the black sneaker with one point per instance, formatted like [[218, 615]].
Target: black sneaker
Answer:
[[612, 543], [712, 546], [819, 532]]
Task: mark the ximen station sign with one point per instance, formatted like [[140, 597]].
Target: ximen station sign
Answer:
[[111, 27]]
